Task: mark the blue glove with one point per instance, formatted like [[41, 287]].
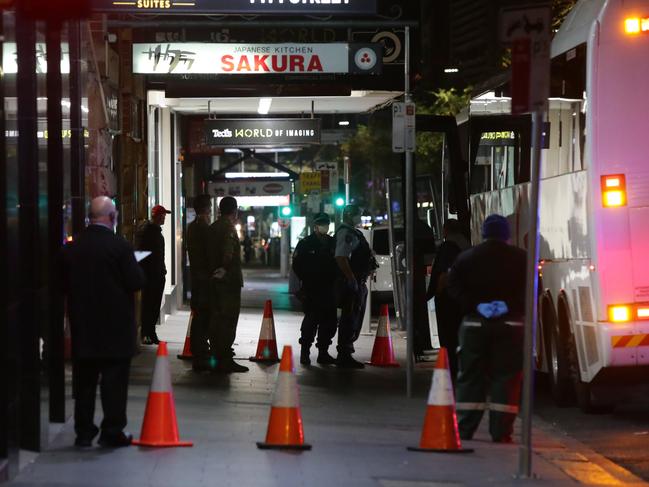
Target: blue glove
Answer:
[[495, 309]]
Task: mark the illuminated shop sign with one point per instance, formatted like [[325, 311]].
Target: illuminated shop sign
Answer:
[[10, 58], [250, 187], [254, 132], [213, 58], [290, 7]]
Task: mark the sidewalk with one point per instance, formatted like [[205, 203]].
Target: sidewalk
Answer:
[[359, 423]]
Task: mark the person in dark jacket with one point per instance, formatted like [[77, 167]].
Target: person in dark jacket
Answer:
[[198, 252], [447, 310], [314, 265], [101, 277], [150, 239], [488, 282]]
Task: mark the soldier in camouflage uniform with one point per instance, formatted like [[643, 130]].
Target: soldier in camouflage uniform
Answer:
[[225, 286]]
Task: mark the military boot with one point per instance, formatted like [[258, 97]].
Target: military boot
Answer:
[[305, 353]]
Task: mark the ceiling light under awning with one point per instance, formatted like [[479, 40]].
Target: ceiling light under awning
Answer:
[[264, 106]]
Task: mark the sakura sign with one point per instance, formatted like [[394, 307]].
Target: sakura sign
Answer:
[[214, 58]]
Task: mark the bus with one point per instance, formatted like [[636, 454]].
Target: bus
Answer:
[[593, 333]]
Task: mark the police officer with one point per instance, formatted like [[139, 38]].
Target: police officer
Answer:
[[488, 281], [150, 239], [355, 263], [313, 263], [198, 252], [225, 286]]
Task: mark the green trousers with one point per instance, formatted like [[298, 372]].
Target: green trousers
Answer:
[[490, 365], [225, 304], [200, 304]]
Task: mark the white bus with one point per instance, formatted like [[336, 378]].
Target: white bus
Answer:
[[594, 248]]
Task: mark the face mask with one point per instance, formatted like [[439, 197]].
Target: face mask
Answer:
[[322, 229]]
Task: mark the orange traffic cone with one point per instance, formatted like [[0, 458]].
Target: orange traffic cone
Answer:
[[160, 427], [187, 349], [267, 346], [382, 352], [440, 433], [285, 422]]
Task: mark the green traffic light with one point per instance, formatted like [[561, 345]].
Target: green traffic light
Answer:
[[340, 201], [286, 211]]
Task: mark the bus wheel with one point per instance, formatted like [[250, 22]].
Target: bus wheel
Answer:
[[558, 368], [587, 401]]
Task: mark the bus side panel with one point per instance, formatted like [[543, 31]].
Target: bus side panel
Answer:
[[564, 217]]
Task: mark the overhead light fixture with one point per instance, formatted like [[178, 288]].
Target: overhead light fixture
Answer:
[[249, 175], [451, 70], [264, 106], [343, 123]]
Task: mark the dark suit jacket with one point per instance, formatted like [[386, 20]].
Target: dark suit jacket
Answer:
[[101, 276], [150, 238]]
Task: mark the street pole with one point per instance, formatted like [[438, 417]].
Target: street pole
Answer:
[[348, 177], [410, 232], [531, 303]]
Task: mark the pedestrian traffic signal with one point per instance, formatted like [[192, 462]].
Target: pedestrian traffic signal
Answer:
[[286, 211], [340, 202]]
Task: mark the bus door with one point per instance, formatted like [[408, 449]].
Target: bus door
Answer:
[[438, 196], [498, 149]]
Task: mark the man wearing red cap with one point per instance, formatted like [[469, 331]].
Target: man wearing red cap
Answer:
[[151, 239]]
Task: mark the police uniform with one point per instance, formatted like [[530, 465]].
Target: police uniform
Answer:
[[198, 252], [314, 265], [225, 292], [491, 349], [351, 243]]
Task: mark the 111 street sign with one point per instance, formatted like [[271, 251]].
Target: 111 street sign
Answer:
[[403, 127]]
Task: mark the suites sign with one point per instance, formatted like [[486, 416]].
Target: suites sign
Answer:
[[285, 7], [217, 58]]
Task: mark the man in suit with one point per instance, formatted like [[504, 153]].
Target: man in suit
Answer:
[[150, 239], [101, 277]]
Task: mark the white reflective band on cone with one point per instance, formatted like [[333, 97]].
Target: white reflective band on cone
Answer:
[[503, 408], [514, 323], [285, 395], [382, 329], [161, 375], [472, 323], [267, 329], [471, 406], [441, 391]]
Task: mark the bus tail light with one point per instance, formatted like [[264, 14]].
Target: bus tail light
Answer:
[[622, 313], [619, 313], [636, 25], [613, 190], [642, 311]]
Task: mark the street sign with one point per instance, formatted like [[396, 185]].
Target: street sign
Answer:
[[328, 176], [333, 7], [403, 127], [527, 31], [310, 181]]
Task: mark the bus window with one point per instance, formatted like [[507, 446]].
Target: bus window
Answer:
[[495, 162]]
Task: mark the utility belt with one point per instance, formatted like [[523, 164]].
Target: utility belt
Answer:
[[475, 320]]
